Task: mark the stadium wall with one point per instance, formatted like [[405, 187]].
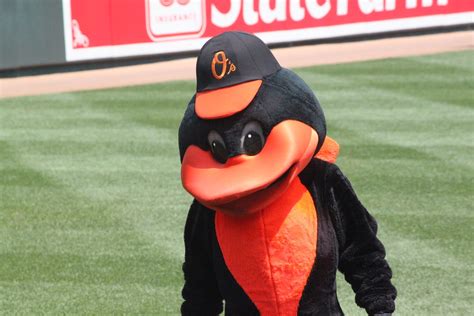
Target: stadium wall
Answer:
[[53, 32], [31, 33]]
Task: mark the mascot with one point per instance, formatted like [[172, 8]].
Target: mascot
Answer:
[[273, 217]]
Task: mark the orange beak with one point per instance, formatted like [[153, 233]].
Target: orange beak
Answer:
[[249, 183]]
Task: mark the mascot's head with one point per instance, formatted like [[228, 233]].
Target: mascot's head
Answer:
[[249, 130]]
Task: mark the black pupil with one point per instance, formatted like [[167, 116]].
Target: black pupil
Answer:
[[252, 143], [219, 151]]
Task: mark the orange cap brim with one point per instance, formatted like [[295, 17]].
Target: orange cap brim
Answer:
[[224, 102]]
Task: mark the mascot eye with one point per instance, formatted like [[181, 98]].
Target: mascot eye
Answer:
[[252, 140], [218, 149]]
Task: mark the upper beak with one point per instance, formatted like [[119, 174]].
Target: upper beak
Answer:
[[290, 143]]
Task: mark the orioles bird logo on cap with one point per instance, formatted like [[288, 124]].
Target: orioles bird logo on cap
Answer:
[[221, 59]]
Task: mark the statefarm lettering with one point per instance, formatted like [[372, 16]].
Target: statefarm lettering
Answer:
[[296, 10]]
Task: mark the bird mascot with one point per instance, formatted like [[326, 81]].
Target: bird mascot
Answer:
[[273, 218]]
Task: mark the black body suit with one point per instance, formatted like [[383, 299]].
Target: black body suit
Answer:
[[346, 241]]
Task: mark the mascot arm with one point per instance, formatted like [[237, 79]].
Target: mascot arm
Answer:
[[361, 253], [200, 291]]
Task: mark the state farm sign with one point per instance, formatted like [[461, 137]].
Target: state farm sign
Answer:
[[266, 11], [112, 28]]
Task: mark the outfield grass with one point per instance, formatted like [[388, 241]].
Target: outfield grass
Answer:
[[92, 210]]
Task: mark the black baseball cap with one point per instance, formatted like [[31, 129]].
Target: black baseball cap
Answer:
[[229, 70]]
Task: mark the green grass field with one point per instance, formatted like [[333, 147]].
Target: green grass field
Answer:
[[92, 210]]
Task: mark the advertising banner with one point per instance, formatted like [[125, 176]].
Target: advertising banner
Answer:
[[96, 29]]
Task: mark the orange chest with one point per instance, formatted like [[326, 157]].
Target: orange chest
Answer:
[[271, 252]]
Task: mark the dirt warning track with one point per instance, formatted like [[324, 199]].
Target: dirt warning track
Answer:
[[183, 69]]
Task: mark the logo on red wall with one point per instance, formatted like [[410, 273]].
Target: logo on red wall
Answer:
[[79, 39], [174, 19]]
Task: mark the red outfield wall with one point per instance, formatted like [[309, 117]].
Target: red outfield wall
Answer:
[[97, 29]]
